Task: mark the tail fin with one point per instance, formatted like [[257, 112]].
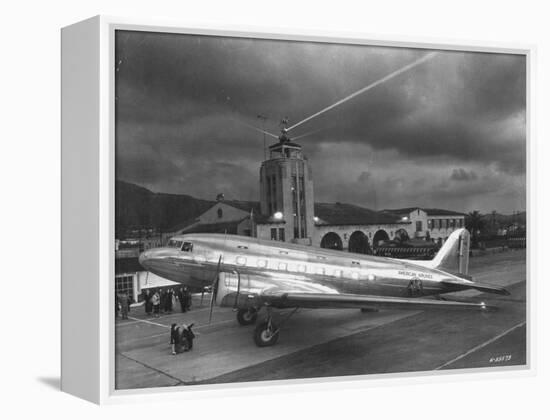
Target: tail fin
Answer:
[[454, 255]]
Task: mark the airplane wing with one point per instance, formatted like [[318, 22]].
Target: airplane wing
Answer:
[[281, 292], [321, 300], [343, 301]]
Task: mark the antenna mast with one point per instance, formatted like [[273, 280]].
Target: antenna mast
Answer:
[[263, 118]]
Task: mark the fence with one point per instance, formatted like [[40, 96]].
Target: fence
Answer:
[[517, 243]]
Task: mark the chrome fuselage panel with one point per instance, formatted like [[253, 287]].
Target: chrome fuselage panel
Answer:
[[269, 265]]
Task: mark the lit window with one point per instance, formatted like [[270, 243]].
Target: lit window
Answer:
[[302, 268], [282, 266], [241, 260], [262, 263], [355, 275]]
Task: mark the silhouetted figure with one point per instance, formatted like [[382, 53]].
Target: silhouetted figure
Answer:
[[168, 301], [182, 299], [148, 304], [124, 302], [181, 338], [155, 300]]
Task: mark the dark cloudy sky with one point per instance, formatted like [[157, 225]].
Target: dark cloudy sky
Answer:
[[449, 133]]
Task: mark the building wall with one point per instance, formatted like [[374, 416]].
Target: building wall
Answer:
[[418, 219], [229, 214], [345, 231], [449, 223]]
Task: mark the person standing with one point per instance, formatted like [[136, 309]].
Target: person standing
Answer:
[[148, 303], [182, 299], [124, 304], [162, 295], [187, 298], [168, 301], [155, 300]]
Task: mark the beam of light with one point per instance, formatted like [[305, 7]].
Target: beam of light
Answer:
[[369, 87], [309, 133], [257, 129]]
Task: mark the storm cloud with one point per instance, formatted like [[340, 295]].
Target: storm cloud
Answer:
[[448, 133]]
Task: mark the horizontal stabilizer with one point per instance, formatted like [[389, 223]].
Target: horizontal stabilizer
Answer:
[[482, 287]]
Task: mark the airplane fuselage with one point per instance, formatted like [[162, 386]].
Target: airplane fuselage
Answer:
[[252, 265]]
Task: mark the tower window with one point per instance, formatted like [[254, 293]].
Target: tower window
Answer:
[[220, 213]]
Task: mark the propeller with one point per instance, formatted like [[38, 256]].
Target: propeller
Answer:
[[215, 282]]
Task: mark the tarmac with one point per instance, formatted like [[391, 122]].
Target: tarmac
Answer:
[[317, 343]]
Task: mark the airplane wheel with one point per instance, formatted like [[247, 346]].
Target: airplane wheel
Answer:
[[247, 316], [265, 336]]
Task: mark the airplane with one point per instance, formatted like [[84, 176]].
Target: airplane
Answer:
[[248, 274]]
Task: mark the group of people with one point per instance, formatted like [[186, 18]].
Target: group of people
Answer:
[[158, 300], [181, 338]]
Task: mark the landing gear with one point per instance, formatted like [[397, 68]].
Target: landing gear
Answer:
[[266, 333], [247, 316]]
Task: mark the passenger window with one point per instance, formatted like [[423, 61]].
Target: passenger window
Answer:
[[172, 243], [302, 268], [241, 260], [282, 266], [355, 275], [262, 263], [187, 247], [320, 270]]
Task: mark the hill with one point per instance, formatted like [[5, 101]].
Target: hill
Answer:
[[137, 207]]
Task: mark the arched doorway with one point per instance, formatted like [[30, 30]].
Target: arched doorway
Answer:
[[379, 236], [401, 235], [359, 243], [331, 241]]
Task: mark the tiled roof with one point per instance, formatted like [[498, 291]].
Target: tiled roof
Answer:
[[349, 214], [224, 227], [429, 212], [442, 212], [244, 205]]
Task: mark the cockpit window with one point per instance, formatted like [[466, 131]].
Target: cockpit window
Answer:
[[173, 243], [187, 247]]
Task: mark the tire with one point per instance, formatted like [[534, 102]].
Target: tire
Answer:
[[247, 316], [262, 337]]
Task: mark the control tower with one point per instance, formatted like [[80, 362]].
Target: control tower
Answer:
[[286, 190]]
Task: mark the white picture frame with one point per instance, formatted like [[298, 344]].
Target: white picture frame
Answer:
[[88, 210]]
